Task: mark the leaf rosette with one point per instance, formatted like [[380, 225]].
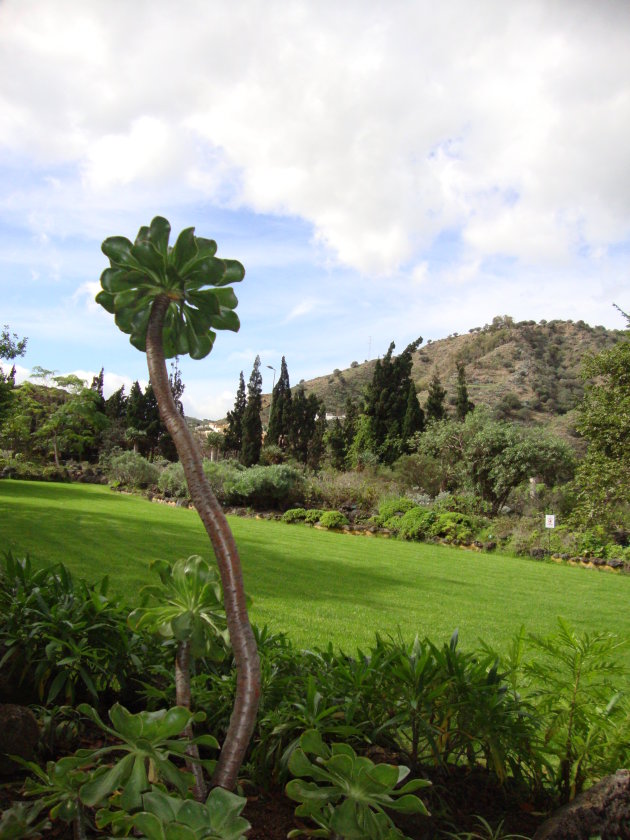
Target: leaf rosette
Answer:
[[188, 273]]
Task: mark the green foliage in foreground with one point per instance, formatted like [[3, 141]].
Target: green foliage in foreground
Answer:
[[355, 586], [543, 720], [349, 793]]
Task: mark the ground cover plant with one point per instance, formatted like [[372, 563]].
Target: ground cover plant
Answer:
[[355, 585]]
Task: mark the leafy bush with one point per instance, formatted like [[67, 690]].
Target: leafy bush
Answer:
[[333, 519], [453, 527], [294, 515], [28, 471], [416, 524], [130, 469], [61, 638], [334, 490], [271, 454], [222, 475], [279, 485], [172, 481], [313, 516]]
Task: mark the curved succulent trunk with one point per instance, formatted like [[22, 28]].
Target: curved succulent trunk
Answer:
[[182, 698], [245, 708]]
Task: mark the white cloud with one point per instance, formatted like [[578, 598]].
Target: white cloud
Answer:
[[379, 125], [305, 307], [421, 167]]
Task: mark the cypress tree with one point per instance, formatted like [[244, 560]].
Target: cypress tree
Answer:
[[280, 416], [116, 405], [414, 416], [463, 405], [252, 424], [387, 402], [233, 440], [435, 409]]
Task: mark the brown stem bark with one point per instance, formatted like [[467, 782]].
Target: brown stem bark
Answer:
[[182, 698], [243, 718]]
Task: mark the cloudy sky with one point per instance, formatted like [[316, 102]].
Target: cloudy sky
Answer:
[[384, 170]]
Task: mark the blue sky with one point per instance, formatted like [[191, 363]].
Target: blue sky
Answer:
[[382, 170]]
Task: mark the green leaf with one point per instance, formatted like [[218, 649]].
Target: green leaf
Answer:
[[103, 784], [149, 258], [385, 775], [408, 805], [159, 233], [226, 320], [185, 249], [414, 784], [311, 742], [199, 346], [301, 791], [207, 247], [234, 272], [118, 250], [149, 825], [124, 722], [175, 831], [106, 300], [204, 271], [136, 784], [117, 279], [344, 820], [206, 301], [160, 804], [299, 765]]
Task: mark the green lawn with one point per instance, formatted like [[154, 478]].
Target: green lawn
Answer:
[[314, 584]]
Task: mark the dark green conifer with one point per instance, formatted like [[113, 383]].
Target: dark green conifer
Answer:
[[434, 408], [280, 416], [233, 440], [252, 424]]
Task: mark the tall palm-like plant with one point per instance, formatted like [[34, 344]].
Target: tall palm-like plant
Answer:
[[170, 300]]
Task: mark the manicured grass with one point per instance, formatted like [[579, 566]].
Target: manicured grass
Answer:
[[317, 586]]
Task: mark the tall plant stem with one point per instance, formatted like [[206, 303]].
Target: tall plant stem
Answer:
[[243, 717], [182, 698]]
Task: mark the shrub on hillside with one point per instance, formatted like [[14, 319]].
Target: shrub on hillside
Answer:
[[313, 516], [335, 490], [172, 481], [333, 519], [391, 511], [453, 527], [294, 515], [271, 454], [396, 506], [279, 485], [416, 524], [222, 475], [130, 469]]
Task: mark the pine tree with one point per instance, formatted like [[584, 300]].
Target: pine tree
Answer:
[[434, 408], [463, 405], [233, 439], [252, 424], [280, 416]]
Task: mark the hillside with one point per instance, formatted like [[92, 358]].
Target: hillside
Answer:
[[522, 370]]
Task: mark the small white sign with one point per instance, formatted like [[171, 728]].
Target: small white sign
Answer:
[[550, 520]]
